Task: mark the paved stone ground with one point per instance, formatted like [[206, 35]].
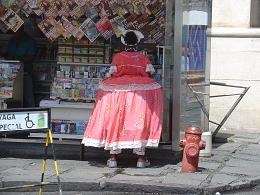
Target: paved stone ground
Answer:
[[233, 165]]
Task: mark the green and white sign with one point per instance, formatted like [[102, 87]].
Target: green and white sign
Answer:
[[23, 120]]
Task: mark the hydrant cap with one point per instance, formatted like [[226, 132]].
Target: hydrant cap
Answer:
[[194, 130]]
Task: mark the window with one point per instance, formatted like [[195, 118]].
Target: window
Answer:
[[255, 13]]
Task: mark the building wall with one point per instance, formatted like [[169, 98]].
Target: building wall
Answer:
[[235, 60], [231, 13]]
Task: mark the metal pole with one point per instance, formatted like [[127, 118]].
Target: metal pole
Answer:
[[55, 162], [176, 109], [230, 111]]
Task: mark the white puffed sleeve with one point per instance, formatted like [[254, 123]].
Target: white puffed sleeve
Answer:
[[112, 70], [150, 68]]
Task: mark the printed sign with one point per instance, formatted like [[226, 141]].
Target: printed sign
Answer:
[[24, 120]]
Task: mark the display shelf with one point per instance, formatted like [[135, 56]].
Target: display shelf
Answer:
[[81, 45], [42, 92], [45, 61], [71, 105], [80, 54], [81, 64], [43, 81], [56, 136], [74, 99], [43, 73]]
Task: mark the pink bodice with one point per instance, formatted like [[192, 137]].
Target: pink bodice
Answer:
[[129, 68]]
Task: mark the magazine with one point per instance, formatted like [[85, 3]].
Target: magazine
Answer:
[[78, 12], [91, 12], [74, 9], [104, 9], [61, 30], [48, 8], [89, 29], [27, 10], [17, 5], [119, 9], [11, 19], [118, 26], [94, 2], [67, 25], [60, 7], [71, 28], [81, 2], [49, 29], [105, 28], [77, 32], [8, 73], [33, 4]]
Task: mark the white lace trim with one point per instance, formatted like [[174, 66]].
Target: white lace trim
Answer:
[[150, 68], [112, 70], [129, 87], [120, 144]]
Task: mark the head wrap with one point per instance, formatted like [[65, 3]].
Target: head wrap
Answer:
[[138, 34]]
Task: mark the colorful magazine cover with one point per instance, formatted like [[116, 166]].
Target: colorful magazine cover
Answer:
[[105, 28], [129, 21], [73, 8], [49, 29], [119, 9], [48, 8], [104, 9], [61, 30], [17, 5], [140, 22], [67, 25], [91, 12], [94, 2], [140, 7], [77, 32], [27, 10], [33, 4], [78, 12], [118, 26], [60, 6], [81, 2], [7, 3], [11, 19], [72, 29], [89, 29], [8, 73]]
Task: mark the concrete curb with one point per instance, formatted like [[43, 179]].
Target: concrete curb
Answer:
[[132, 187]]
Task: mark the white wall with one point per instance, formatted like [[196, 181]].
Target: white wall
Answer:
[[231, 13], [235, 61]]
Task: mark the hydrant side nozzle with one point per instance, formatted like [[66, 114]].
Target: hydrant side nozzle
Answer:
[[182, 143]]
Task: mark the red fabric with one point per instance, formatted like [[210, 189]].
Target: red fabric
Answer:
[[127, 118]]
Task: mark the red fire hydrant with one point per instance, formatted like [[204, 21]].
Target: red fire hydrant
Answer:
[[192, 145]]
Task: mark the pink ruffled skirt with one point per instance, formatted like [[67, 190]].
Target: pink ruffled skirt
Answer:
[[126, 116]]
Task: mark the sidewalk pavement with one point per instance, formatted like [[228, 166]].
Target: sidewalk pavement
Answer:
[[234, 164]]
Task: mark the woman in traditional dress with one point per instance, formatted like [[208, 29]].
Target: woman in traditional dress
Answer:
[[129, 106]]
